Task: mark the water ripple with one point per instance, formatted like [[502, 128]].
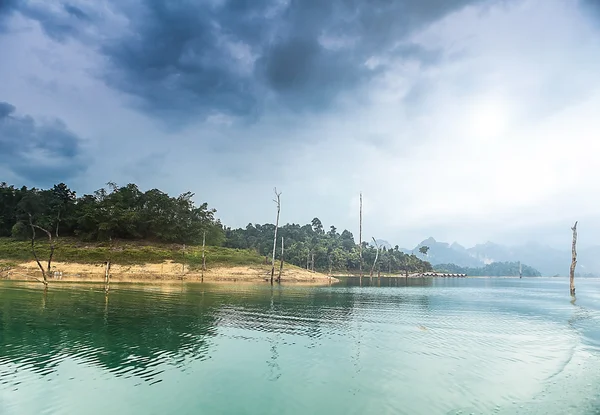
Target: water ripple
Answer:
[[435, 347]]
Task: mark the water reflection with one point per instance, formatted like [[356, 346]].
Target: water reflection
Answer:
[[384, 282], [123, 332], [386, 347]]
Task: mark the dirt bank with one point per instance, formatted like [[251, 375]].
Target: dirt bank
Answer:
[[165, 271]]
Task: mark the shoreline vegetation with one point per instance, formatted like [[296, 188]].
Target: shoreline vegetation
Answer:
[[139, 261], [119, 232]]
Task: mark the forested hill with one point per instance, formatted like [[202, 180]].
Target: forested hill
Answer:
[[116, 212], [328, 248], [127, 213], [495, 269]]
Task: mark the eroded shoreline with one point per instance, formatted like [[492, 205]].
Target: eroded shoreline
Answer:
[[167, 271]]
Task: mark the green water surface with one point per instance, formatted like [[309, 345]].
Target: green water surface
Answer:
[[431, 346]]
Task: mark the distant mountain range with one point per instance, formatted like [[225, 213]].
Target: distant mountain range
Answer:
[[549, 261]]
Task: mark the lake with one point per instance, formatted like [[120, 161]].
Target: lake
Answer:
[[422, 346]]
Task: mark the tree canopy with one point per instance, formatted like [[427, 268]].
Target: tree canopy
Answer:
[[331, 249], [113, 212]]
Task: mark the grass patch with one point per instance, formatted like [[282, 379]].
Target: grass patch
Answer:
[[124, 253]]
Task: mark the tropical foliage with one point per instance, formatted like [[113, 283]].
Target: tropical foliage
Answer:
[[127, 213], [117, 212], [329, 249]]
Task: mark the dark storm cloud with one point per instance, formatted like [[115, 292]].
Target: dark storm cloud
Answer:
[[76, 11], [6, 8], [186, 59], [41, 152], [592, 7]]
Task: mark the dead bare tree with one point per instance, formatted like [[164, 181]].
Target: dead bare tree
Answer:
[[573, 260], [111, 248], [360, 239], [57, 222], [107, 277], [278, 202], [376, 258], [183, 261], [203, 254], [281, 262], [45, 272]]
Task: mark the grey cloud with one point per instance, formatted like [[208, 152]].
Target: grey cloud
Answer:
[[591, 5], [6, 109], [76, 11], [192, 59], [6, 8], [58, 23], [41, 152], [176, 63]]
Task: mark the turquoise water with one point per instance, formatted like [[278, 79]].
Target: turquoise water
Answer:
[[443, 346]]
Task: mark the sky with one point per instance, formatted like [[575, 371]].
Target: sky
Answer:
[[465, 120]]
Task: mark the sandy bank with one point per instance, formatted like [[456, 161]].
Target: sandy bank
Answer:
[[165, 271]]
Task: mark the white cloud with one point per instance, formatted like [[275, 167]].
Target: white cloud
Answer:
[[498, 137]]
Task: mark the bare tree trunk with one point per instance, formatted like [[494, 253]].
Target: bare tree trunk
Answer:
[[278, 202], [57, 222], [360, 266], [108, 264], [312, 262], [308, 260], [281, 263], [203, 252], [376, 258], [45, 273], [183, 262], [107, 277], [573, 260]]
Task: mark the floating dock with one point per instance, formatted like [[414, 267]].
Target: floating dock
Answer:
[[438, 274]]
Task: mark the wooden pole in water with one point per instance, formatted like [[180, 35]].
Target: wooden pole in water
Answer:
[[573, 260], [360, 239], [281, 263], [278, 202]]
